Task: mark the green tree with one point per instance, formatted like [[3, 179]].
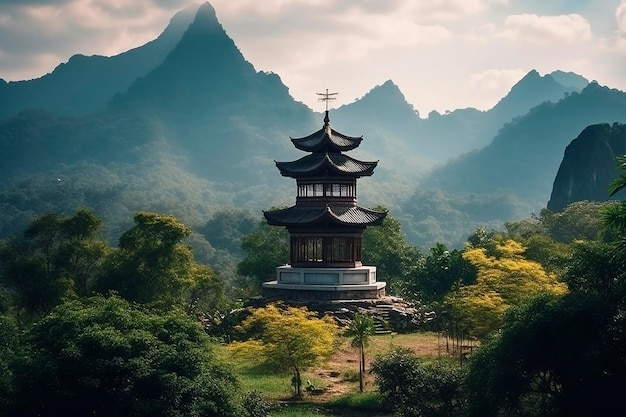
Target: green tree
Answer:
[[226, 229], [9, 347], [414, 388], [440, 271], [385, 247], [266, 248], [289, 338], [360, 329], [578, 221], [555, 356], [55, 259], [103, 356], [153, 265], [502, 281]]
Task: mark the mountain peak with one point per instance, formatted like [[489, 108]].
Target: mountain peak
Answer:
[[386, 93], [570, 80], [206, 14], [531, 90]]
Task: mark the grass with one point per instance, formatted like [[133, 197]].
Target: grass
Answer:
[[339, 376]]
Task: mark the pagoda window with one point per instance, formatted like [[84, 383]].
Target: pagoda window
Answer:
[[327, 249], [307, 249], [311, 190], [326, 190]]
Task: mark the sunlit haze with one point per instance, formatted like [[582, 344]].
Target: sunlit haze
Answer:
[[443, 54]]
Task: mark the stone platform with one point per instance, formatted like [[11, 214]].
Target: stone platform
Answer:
[[324, 284]]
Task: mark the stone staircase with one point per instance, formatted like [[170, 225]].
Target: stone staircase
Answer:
[[381, 318]]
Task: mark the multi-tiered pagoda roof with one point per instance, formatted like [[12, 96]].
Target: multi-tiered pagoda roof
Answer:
[[326, 183]]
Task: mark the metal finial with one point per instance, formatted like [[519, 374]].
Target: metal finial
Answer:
[[326, 97]]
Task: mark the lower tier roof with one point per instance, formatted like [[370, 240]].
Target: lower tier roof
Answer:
[[316, 215], [320, 163]]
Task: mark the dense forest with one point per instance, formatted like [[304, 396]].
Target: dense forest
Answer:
[[133, 328]]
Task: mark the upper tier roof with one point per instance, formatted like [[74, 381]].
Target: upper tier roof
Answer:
[[314, 215], [321, 163], [326, 140]]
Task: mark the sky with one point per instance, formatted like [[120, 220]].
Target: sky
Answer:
[[442, 54]]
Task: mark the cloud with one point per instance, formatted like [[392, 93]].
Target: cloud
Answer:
[[568, 28], [56, 30], [616, 44], [620, 16], [496, 78]]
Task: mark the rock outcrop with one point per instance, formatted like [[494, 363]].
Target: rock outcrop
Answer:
[[588, 166], [391, 314]]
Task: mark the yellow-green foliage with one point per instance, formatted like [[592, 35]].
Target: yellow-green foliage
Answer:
[[502, 281], [288, 338]]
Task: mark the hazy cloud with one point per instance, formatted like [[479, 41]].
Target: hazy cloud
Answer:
[[444, 54], [620, 15], [545, 29], [496, 79]]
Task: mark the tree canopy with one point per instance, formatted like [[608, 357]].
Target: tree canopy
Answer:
[[289, 338], [153, 265], [502, 281], [55, 259], [103, 356]]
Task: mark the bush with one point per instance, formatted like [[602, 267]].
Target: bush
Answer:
[[413, 388]]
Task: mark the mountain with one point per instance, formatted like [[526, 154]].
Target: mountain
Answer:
[[425, 142], [526, 153], [512, 176], [196, 133], [588, 166], [570, 80], [85, 84], [228, 119], [533, 89], [388, 123]]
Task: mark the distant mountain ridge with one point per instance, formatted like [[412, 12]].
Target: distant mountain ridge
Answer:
[[439, 137], [526, 153], [85, 84], [511, 177]]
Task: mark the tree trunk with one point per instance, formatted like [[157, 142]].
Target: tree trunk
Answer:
[[361, 368], [298, 384]]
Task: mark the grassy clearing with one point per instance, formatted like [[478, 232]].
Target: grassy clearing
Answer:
[[339, 377]]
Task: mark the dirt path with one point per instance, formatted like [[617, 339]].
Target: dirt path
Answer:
[[340, 375]]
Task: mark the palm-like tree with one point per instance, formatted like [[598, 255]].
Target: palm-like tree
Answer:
[[614, 215], [360, 329]]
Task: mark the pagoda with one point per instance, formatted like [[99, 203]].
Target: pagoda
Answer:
[[326, 224]]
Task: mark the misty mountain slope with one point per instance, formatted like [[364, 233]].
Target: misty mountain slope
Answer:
[[525, 155], [509, 179], [588, 166], [465, 130], [534, 89], [228, 119], [419, 144], [387, 123], [85, 84]]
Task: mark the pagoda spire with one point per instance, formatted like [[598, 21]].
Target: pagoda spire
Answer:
[[326, 97]]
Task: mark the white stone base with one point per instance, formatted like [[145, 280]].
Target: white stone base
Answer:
[[325, 283]]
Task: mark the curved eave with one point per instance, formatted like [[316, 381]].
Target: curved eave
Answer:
[[311, 216], [316, 164], [327, 139]]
